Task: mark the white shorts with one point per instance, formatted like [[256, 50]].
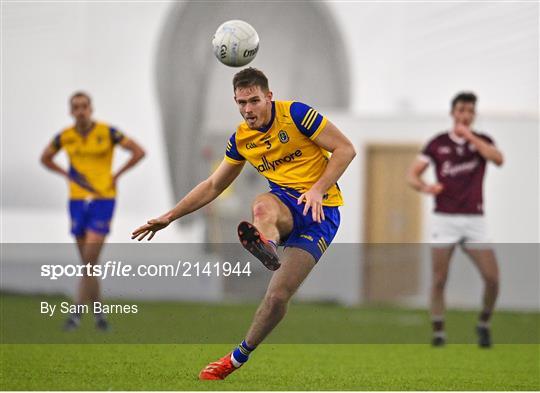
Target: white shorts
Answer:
[[466, 229]]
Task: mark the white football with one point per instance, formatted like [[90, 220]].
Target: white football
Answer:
[[235, 43]]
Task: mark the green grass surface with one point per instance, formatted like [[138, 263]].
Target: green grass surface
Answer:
[[272, 367], [299, 355], [194, 323]]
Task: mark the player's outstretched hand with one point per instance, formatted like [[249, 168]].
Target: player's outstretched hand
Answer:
[[434, 189], [150, 228], [313, 200]]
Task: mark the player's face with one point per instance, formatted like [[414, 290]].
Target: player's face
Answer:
[[463, 113], [255, 105], [81, 109]]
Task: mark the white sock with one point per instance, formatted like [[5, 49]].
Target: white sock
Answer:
[[235, 362]]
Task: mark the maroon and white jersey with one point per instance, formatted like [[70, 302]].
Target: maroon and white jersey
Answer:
[[460, 169]]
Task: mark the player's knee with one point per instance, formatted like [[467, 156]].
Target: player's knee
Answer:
[[277, 299], [439, 282], [264, 209]]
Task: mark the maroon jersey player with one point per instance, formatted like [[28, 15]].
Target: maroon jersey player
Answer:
[[459, 157], [460, 169]]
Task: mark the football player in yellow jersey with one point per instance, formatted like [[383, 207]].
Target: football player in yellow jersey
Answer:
[[89, 146], [289, 144]]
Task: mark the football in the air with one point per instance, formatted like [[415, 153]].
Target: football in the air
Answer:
[[235, 43]]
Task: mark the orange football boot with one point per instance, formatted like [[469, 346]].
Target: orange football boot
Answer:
[[218, 370]]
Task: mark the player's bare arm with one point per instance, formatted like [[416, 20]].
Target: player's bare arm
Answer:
[[137, 154], [47, 159], [486, 149], [414, 178], [204, 193], [331, 139]]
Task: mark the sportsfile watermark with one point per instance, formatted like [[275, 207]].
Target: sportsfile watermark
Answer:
[[208, 293], [111, 269]]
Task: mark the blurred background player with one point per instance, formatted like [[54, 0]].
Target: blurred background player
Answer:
[[459, 156], [89, 146], [288, 143]]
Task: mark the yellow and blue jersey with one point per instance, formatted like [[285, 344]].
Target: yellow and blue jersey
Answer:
[[90, 160], [284, 151]]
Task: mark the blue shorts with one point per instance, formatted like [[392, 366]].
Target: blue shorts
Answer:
[[307, 234], [94, 215]]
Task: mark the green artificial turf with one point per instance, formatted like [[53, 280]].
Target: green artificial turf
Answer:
[[317, 347]]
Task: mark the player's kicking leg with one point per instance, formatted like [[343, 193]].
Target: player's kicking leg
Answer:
[[440, 263], [296, 264], [305, 242], [486, 263], [271, 220]]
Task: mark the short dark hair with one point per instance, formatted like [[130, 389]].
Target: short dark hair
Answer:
[[464, 96], [80, 94], [250, 77]]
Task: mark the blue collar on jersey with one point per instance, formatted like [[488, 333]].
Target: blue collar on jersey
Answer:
[[267, 127]]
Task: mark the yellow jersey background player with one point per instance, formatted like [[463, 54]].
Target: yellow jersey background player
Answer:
[[288, 143], [89, 146]]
